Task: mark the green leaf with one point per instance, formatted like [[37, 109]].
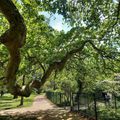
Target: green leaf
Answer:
[[27, 1]]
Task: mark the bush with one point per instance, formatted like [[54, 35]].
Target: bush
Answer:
[[109, 114]]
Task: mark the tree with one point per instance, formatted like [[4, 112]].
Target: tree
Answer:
[[98, 31]]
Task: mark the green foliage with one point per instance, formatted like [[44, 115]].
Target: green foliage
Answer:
[[110, 114], [91, 20]]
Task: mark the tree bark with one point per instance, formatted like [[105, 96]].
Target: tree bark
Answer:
[[13, 39], [22, 98]]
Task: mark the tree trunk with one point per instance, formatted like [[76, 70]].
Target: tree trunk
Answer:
[[13, 39], [22, 98], [2, 93]]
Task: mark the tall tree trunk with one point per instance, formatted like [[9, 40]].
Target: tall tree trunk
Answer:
[[13, 39]]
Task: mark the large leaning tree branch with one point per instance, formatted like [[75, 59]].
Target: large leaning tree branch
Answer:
[[26, 90], [57, 66], [13, 39]]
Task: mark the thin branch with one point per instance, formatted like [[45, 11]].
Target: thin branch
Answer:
[[35, 60]]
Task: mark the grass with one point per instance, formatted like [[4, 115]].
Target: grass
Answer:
[[7, 101]]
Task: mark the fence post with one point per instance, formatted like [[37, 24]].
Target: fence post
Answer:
[[56, 98], [115, 102], [78, 101], [95, 107], [71, 101], [53, 97], [60, 98], [64, 101]]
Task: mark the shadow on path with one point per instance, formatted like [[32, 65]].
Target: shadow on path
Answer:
[[42, 109], [51, 114]]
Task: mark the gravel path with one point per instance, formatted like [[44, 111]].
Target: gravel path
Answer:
[[41, 109]]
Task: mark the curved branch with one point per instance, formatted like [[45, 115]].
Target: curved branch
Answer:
[[13, 39], [35, 60]]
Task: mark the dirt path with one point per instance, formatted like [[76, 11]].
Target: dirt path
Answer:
[[42, 109], [40, 103]]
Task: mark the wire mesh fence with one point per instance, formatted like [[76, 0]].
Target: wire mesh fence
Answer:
[[94, 106]]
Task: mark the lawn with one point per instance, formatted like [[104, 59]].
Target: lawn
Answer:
[[7, 101]]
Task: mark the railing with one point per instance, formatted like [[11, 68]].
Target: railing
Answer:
[[90, 105]]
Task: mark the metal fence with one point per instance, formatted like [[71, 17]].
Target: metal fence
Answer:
[[91, 105], [59, 99]]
